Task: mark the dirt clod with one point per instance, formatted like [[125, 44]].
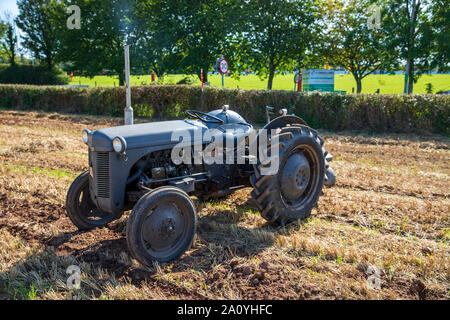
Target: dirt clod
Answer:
[[264, 265], [419, 288], [246, 271], [427, 251]]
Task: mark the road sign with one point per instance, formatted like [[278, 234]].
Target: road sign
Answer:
[[223, 66], [318, 79]]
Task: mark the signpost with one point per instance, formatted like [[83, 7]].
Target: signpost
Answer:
[[223, 68], [298, 82], [203, 95], [128, 109]]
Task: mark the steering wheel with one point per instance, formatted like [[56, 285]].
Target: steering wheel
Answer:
[[198, 115]]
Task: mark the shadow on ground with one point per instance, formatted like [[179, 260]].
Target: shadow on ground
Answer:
[[219, 240]]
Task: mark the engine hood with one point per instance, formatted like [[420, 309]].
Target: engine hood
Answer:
[[146, 134]]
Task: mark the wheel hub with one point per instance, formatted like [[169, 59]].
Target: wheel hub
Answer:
[[166, 228], [163, 226], [295, 176]]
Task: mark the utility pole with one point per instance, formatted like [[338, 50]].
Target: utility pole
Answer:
[[128, 112]]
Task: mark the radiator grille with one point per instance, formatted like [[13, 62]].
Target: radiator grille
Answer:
[[102, 174]]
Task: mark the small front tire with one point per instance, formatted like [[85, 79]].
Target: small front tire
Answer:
[[80, 208], [161, 226]]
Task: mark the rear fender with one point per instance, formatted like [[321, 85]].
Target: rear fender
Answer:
[[281, 122]]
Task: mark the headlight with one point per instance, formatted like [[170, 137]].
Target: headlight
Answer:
[[119, 144], [85, 135]]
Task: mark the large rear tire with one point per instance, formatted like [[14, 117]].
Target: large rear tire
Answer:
[[161, 226], [293, 191], [80, 208]]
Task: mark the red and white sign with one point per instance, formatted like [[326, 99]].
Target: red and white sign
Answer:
[[223, 66], [201, 76], [299, 81]]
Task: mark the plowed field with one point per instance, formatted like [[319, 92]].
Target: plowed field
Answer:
[[382, 232]]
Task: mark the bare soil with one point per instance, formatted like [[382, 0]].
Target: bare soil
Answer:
[[389, 212]]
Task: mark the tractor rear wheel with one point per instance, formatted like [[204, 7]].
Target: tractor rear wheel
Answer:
[[161, 226], [293, 191]]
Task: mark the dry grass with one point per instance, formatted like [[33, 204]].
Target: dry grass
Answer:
[[390, 209]]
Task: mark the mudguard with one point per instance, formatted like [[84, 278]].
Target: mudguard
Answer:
[[283, 121]]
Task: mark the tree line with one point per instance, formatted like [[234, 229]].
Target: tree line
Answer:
[[264, 36]]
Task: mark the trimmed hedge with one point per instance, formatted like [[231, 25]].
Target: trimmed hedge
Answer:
[[28, 74], [373, 112]]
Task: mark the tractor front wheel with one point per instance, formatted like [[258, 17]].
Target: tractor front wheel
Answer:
[[161, 226], [80, 208]]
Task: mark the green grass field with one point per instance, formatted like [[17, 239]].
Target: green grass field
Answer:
[[386, 83]]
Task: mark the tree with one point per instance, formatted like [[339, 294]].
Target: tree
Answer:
[[410, 33], [3, 27], [37, 21], [350, 43], [204, 31], [8, 43], [440, 24], [277, 33], [99, 44], [154, 38]]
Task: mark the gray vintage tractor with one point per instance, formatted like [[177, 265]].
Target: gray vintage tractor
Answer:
[[138, 168]]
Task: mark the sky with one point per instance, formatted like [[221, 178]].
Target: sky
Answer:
[[8, 6]]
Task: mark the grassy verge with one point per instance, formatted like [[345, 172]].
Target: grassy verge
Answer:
[[388, 84]]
